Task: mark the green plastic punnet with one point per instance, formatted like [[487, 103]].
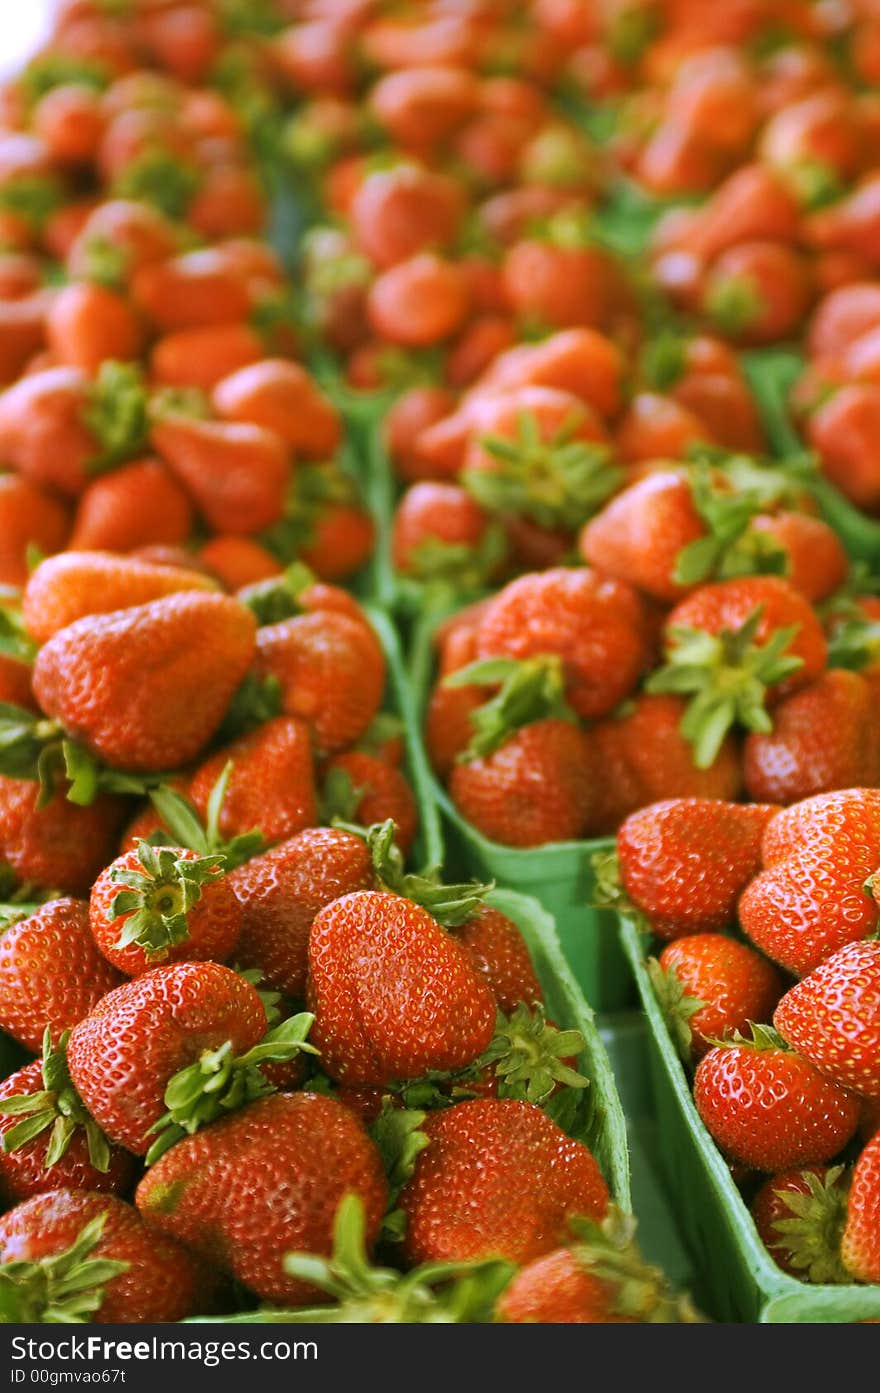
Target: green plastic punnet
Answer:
[[737, 1279]]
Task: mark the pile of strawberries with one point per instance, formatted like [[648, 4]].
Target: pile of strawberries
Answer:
[[770, 981]]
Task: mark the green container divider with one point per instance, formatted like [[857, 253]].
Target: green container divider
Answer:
[[606, 1134], [771, 373], [559, 874], [738, 1279]]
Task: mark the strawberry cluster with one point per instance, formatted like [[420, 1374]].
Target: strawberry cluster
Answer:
[[770, 982]]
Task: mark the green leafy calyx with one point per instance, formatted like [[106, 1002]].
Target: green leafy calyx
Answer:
[[65, 1288], [158, 896], [57, 1106], [531, 689], [451, 905]]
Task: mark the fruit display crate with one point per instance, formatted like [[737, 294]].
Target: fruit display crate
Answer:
[[560, 874], [735, 1276]]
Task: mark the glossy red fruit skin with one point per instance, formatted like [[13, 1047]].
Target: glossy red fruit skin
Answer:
[[213, 922], [23, 1172], [264, 1182], [684, 862], [809, 900], [385, 792], [736, 984], [123, 1054], [394, 995], [280, 893], [51, 973], [557, 1290], [272, 784], [768, 1208], [168, 672], [164, 1282], [497, 1178], [499, 951], [832, 1017], [771, 1110], [596, 625], [860, 1246], [61, 846]]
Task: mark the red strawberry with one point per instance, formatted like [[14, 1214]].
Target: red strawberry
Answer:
[[832, 1017], [811, 900], [770, 1109], [280, 893], [158, 905], [48, 1138], [146, 688], [51, 973], [710, 986], [61, 845], [265, 1182], [360, 788], [139, 505], [440, 532], [271, 784], [859, 1247], [800, 1215], [497, 1178], [332, 674], [684, 862], [74, 1255], [237, 474], [123, 1055], [394, 995], [499, 952], [639, 536]]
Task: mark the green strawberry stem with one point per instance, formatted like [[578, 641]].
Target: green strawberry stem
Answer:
[[557, 483], [66, 1288], [451, 905], [663, 360], [14, 913], [528, 1056], [58, 1106], [277, 598], [33, 747], [158, 897], [182, 821], [161, 179], [14, 640], [635, 1290], [257, 700], [727, 676], [340, 800], [31, 197], [856, 644], [676, 1006], [608, 891], [464, 568], [734, 304], [729, 548], [809, 1238], [220, 1082], [760, 1037], [531, 689], [435, 1293], [116, 414]]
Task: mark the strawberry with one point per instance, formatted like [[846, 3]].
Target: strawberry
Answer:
[[55, 844], [684, 862], [359, 787], [71, 1255], [440, 532], [499, 952], [79, 583], [252, 1187], [119, 236], [732, 647], [28, 516], [168, 671], [88, 324], [271, 785], [810, 899], [799, 1216], [832, 1017], [281, 891], [139, 1036], [595, 625], [816, 562], [161, 904], [639, 536], [497, 1178], [281, 397], [859, 1248], [141, 504], [51, 973], [331, 671], [768, 1108], [372, 1024], [710, 986], [74, 1153], [236, 473]]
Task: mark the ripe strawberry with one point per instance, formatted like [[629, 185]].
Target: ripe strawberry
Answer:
[[238, 562], [236, 474], [639, 536], [138, 1037], [816, 561], [88, 324], [439, 531], [61, 845], [832, 1017], [78, 583], [271, 785], [51, 973], [167, 670], [281, 397], [360, 788], [810, 899], [859, 1247], [595, 625], [71, 1255], [202, 357], [371, 1023], [74, 1153], [499, 952], [497, 1178], [264, 1182], [332, 674], [710, 986], [281, 891], [159, 905], [139, 505], [770, 1109], [799, 1216], [684, 862], [28, 516]]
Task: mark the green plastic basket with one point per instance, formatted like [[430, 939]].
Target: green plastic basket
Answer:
[[737, 1278], [559, 875]]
